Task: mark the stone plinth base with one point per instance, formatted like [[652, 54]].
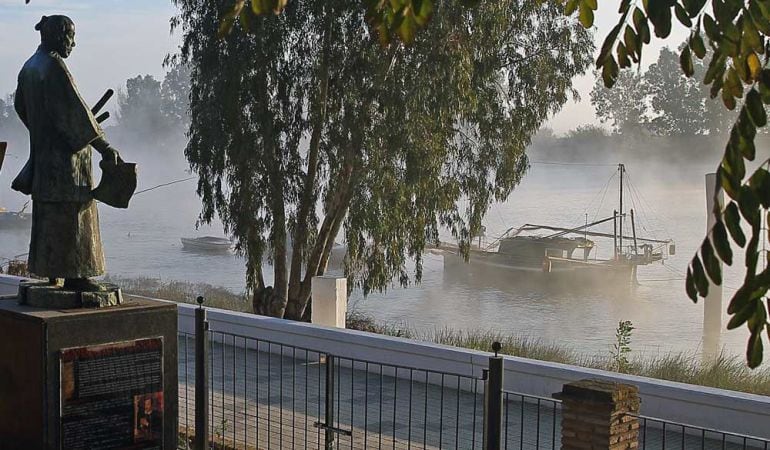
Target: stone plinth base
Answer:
[[45, 295], [80, 378]]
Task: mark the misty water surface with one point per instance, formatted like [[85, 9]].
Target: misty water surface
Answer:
[[144, 241]]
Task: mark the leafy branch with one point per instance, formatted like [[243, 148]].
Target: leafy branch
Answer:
[[399, 19], [737, 32]]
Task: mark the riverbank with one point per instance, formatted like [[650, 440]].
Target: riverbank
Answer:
[[725, 372]]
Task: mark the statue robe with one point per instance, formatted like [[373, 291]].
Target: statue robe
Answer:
[[65, 241]]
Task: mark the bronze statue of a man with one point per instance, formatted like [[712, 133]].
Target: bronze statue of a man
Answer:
[[65, 240]]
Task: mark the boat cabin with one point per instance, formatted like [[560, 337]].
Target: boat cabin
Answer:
[[538, 247]]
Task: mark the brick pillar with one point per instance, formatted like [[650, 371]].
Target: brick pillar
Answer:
[[599, 415]]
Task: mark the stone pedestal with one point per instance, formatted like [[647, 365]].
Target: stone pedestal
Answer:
[[40, 294], [599, 415], [92, 378]]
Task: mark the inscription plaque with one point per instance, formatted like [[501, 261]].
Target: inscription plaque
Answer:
[[112, 396]]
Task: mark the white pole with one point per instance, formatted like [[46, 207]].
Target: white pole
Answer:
[[329, 296], [712, 305]]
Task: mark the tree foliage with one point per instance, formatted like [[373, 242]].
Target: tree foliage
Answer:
[[623, 107], [661, 101], [153, 112], [149, 106], [175, 97], [139, 105], [680, 105], [303, 127], [389, 19], [737, 31]]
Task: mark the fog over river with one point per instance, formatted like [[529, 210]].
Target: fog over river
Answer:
[[669, 203]]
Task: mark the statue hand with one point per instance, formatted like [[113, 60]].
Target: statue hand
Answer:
[[111, 156]]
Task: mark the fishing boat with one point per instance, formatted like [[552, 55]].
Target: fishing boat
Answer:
[[207, 244], [552, 253], [15, 219]]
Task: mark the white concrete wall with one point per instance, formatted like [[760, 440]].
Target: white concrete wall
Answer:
[[9, 284], [694, 405]]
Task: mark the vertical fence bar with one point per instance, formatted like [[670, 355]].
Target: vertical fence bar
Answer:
[[201, 378], [329, 434], [493, 401]]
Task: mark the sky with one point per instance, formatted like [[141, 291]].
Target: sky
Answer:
[[116, 40], [119, 39]]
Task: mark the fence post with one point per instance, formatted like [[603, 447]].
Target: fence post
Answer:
[[201, 378], [493, 401], [600, 415], [329, 430]]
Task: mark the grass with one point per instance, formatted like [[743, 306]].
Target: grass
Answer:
[[725, 372], [183, 292]]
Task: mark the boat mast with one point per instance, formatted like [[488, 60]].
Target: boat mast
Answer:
[[615, 234], [585, 240], [622, 169], [633, 230]]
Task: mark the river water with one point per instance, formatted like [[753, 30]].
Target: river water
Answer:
[[669, 203]]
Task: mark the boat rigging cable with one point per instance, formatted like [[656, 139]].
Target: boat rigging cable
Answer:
[[602, 192], [164, 185], [561, 163], [564, 163], [681, 276], [647, 208]]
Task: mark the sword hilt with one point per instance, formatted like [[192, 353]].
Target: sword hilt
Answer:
[[102, 101]]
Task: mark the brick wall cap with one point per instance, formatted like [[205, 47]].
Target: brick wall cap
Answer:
[[595, 390]]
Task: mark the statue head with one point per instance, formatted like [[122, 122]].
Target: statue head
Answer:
[[57, 34]]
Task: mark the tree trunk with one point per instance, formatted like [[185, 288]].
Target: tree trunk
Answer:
[[272, 300], [266, 302], [280, 279], [308, 199]]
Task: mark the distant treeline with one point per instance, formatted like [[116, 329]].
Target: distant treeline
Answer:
[[656, 115], [594, 144]]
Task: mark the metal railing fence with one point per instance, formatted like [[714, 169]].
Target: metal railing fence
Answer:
[[662, 434], [242, 392], [531, 422], [270, 395]]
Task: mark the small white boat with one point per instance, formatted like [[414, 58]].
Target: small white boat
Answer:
[[207, 244]]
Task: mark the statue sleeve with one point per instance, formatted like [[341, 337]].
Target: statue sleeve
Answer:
[[69, 113], [20, 107]]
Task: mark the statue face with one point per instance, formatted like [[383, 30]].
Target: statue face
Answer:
[[66, 41]]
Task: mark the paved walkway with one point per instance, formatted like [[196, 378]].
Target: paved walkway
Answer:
[[268, 400]]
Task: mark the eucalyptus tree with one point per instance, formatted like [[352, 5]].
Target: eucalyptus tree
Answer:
[[303, 127]]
